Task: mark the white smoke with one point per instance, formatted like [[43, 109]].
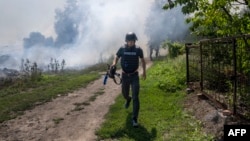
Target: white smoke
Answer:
[[164, 25], [88, 31]]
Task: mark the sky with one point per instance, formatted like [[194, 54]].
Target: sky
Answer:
[[19, 18]]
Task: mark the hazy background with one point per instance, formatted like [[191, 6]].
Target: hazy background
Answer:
[[80, 32], [19, 18]]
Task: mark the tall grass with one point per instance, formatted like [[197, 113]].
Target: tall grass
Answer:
[[162, 116]]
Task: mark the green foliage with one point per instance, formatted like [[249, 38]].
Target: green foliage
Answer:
[[217, 18], [243, 55], [169, 81], [57, 120], [174, 49]]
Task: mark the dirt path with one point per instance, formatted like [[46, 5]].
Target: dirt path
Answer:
[[73, 117]]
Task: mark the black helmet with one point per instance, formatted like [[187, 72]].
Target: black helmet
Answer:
[[130, 37]]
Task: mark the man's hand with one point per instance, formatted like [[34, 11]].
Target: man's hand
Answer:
[[144, 75]]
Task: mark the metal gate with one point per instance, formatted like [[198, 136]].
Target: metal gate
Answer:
[[220, 69]]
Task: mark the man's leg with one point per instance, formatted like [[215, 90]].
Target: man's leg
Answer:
[[135, 97], [151, 53], [126, 89], [156, 52]]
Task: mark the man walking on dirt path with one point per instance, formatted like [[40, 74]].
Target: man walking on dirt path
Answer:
[[130, 54]]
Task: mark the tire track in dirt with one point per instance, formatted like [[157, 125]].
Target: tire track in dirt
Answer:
[[60, 120]]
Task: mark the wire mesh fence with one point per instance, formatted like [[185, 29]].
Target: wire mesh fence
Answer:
[[220, 69]]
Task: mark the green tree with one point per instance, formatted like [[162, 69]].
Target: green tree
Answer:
[[215, 18]]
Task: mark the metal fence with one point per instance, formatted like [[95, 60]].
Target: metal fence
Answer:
[[219, 68]]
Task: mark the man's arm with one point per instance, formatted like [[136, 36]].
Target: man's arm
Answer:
[[115, 60]]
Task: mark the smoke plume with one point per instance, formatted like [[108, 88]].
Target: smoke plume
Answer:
[[92, 30], [164, 25]]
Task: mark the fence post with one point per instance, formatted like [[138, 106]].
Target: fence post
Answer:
[[187, 62], [235, 76], [201, 65]]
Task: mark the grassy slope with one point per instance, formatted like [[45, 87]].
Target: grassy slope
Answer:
[[162, 116], [19, 97]]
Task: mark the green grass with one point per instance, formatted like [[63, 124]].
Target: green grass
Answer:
[[57, 120], [162, 117], [16, 98]]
